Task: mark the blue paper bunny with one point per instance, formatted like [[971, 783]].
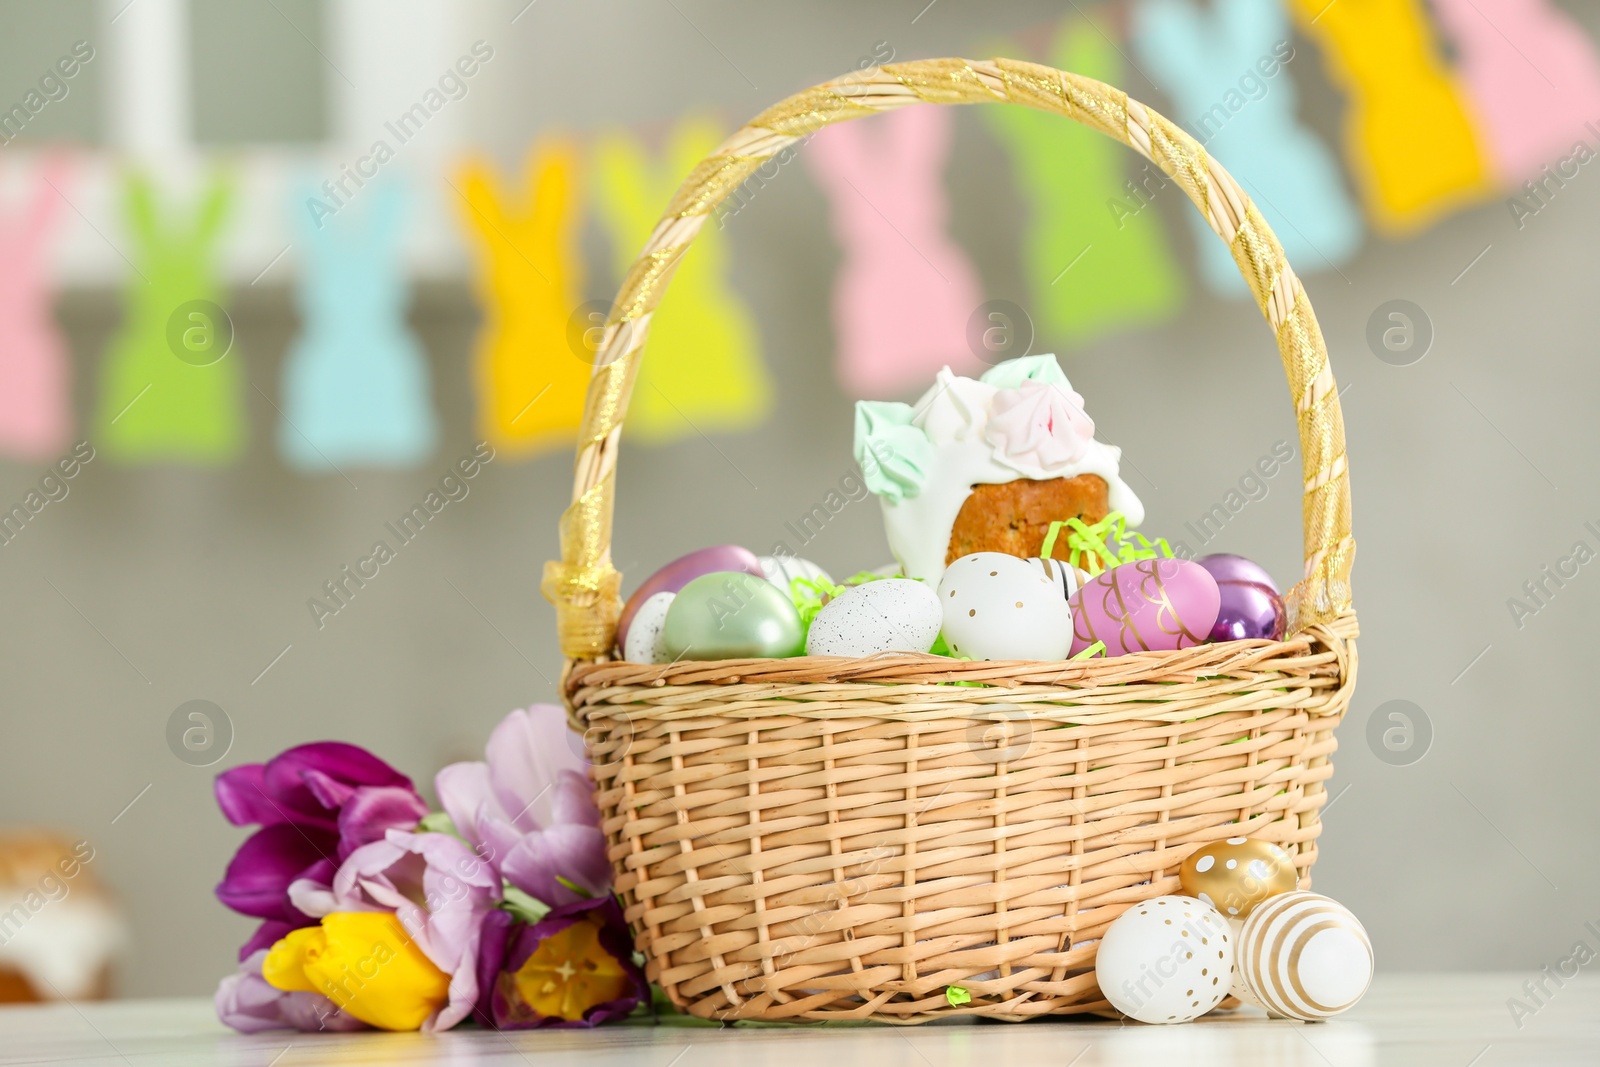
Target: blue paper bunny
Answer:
[[1225, 67], [355, 382]]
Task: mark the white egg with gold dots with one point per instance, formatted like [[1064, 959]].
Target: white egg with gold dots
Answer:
[[1166, 960]]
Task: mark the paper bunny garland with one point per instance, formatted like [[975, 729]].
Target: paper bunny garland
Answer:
[[904, 295], [171, 387], [355, 382], [35, 377]]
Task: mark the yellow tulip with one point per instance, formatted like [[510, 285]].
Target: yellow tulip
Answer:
[[569, 973], [364, 962]]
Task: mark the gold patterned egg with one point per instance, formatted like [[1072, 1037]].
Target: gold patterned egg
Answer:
[[1235, 875]]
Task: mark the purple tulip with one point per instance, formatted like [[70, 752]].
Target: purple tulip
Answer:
[[529, 810], [246, 1002], [316, 804], [580, 956]]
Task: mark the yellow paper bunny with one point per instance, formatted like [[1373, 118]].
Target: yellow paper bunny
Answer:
[[531, 381], [1410, 138]]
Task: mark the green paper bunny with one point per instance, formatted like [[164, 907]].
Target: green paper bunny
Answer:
[[1092, 265], [702, 369], [172, 382]]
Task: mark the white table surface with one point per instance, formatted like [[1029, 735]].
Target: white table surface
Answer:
[[1438, 1020]]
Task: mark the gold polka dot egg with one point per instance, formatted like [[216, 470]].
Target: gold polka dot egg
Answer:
[[1236, 875], [997, 606]]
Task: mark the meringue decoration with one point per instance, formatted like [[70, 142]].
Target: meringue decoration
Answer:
[[1037, 428]]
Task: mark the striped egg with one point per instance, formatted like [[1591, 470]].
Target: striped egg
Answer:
[[1304, 956]]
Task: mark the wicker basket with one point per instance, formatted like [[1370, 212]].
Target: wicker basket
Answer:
[[820, 838]]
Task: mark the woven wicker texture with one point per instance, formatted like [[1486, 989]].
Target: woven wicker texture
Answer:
[[819, 838]]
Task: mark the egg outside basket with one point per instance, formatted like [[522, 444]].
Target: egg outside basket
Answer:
[[822, 838]]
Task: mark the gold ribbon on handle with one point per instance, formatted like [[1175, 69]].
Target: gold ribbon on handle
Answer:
[[584, 586]]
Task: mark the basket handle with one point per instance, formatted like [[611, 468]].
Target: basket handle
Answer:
[[583, 584]]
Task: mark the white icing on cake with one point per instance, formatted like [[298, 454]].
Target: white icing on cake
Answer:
[[983, 434]]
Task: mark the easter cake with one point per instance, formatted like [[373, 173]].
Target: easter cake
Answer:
[[986, 465]]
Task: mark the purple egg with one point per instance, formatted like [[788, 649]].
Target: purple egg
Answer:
[[1251, 607], [683, 570], [1149, 604], [1226, 567]]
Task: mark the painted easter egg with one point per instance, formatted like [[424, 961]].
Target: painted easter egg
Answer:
[[675, 575], [892, 615], [1250, 605], [644, 636], [731, 615], [1148, 604], [1304, 956], [997, 606], [781, 570], [1237, 874], [1166, 960], [1059, 572]]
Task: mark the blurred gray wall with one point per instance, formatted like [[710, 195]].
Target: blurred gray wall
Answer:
[[149, 587]]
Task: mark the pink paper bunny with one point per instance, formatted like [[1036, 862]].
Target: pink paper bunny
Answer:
[[35, 380], [1533, 75], [902, 299]]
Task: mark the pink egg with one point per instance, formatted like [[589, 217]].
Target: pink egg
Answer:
[[1149, 604], [683, 570]]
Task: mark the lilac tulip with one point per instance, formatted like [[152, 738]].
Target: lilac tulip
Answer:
[[529, 810], [247, 1003], [437, 887], [316, 804]]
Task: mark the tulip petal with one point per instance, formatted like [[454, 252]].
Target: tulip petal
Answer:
[[247, 1003], [258, 877], [526, 753], [308, 781], [371, 811], [572, 800], [463, 788], [241, 794], [541, 860]]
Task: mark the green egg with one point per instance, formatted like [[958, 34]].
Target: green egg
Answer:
[[732, 615]]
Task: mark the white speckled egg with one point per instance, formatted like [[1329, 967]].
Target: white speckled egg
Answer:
[[1166, 960], [643, 644], [997, 606], [892, 615], [781, 570]]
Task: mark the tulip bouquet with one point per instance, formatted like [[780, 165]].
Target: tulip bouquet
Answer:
[[378, 913]]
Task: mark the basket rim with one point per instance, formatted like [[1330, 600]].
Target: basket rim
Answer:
[[1323, 649]]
